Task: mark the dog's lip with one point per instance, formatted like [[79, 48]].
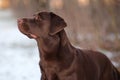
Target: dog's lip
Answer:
[[33, 36]]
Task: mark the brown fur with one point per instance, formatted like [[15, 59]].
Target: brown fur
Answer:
[[59, 59]]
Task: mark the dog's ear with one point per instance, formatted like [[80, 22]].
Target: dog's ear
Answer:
[[57, 24]]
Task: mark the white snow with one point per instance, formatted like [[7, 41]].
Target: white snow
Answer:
[[18, 55]]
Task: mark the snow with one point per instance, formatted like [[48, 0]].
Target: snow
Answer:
[[19, 56]]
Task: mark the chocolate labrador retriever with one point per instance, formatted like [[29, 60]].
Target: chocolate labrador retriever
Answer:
[[59, 59]]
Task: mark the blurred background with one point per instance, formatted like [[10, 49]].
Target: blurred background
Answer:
[[92, 24]]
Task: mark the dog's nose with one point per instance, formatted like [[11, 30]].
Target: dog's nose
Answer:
[[20, 21]]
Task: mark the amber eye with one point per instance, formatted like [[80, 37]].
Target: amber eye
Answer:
[[38, 18]]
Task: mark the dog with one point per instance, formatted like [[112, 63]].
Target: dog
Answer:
[[59, 60]]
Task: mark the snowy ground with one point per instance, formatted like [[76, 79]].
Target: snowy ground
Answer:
[[18, 55]]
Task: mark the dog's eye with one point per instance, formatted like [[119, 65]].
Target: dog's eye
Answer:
[[38, 18]]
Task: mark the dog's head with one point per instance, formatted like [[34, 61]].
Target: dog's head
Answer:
[[41, 24]]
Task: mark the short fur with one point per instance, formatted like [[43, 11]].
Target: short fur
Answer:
[[59, 59]]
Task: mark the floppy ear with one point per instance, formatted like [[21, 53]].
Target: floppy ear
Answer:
[[57, 24]]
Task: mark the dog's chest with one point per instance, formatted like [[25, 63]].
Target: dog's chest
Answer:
[[51, 69], [57, 71]]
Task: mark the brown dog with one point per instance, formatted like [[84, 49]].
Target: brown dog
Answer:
[[59, 59]]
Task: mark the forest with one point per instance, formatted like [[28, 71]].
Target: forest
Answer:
[[91, 24], [95, 22]]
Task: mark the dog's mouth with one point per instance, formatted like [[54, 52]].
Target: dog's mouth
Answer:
[[24, 28]]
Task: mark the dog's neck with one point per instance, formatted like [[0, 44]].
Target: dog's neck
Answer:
[[54, 48]]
